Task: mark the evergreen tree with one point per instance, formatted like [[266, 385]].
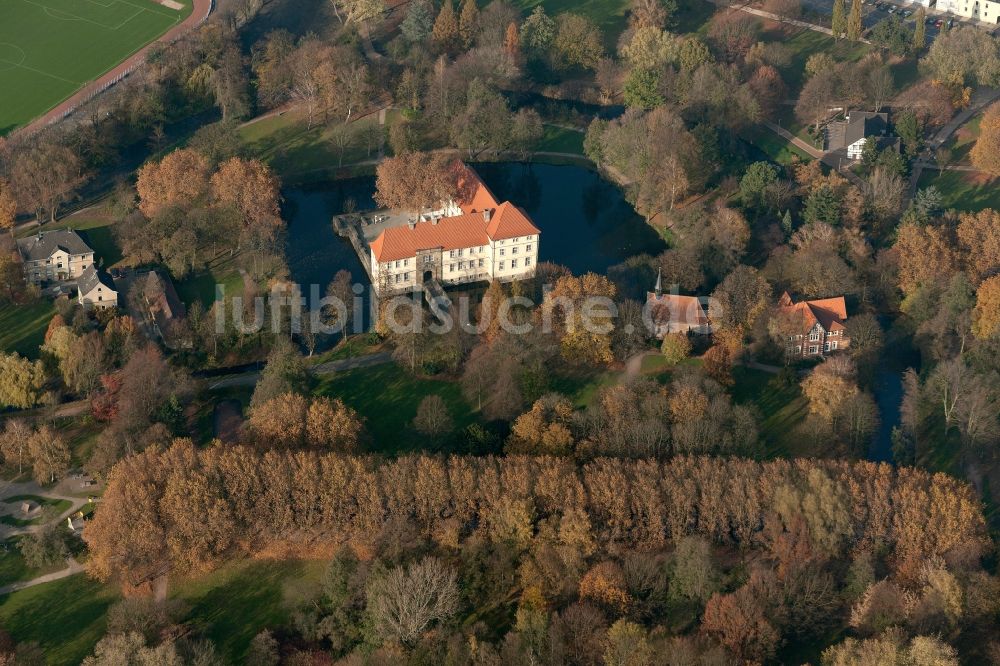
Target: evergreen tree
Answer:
[[920, 31], [468, 22], [786, 222], [419, 21], [446, 36], [839, 22], [854, 21]]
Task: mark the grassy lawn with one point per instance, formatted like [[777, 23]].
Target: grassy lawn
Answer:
[[961, 142], [387, 397], [22, 327], [803, 43], [290, 147], [233, 604], [51, 508], [200, 285], [229, 606], [776, 148], [561, 140], [51, 48], [355, 345], [609, 15], [780, 409], [13, 568], [65, 617], [963, 190]]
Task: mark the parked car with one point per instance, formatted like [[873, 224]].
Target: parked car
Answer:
[[951, 23], [891, 9], [938, 23]]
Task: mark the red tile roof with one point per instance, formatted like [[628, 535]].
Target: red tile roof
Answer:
[[831, 313], [474, 196], [470, 229], [678, 311]]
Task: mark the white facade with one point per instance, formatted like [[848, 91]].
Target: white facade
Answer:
[[978, 10], [505, 259]]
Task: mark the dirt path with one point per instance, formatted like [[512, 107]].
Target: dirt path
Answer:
[[93, 88], [633, 365]]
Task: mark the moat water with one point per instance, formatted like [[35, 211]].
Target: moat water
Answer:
[[586, 223]]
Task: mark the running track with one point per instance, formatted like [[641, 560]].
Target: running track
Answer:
[[197, 15]]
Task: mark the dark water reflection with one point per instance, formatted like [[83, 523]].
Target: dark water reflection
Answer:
[[586, 223]]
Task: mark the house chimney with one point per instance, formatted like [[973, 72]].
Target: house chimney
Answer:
[[411, 223], [487, 214], [434, 220]]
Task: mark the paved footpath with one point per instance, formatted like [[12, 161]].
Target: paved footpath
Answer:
[[198, 14], [72, 568], [328, 368]]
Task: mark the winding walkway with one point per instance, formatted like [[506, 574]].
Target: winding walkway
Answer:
[[72, 568], [982, 99]]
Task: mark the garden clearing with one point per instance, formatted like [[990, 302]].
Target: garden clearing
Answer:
[[49, 49]]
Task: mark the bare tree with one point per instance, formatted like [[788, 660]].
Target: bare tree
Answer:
[[404, 603], [432, 416]]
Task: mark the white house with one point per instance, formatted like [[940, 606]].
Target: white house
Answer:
[[979, 10], [468, 241], [96, 290], [54, 256]]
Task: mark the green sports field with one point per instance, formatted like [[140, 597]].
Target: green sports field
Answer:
[[50, 48]]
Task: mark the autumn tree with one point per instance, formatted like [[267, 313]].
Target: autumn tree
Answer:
[[675, 347], [545, 429], [50, 455], [179, 179], [21, 381], [14, 441], [280, 421], [986, 317], [577, 43], [854, 25], [925, 254], [249, 187], [581, 310], [839, 22], [468, 22], [985, 154], [446, 34], [920, 30], [8, 207], [740, 622], [416, 181], [46, 176], [740, 299], [979, 238], [358, 11]]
